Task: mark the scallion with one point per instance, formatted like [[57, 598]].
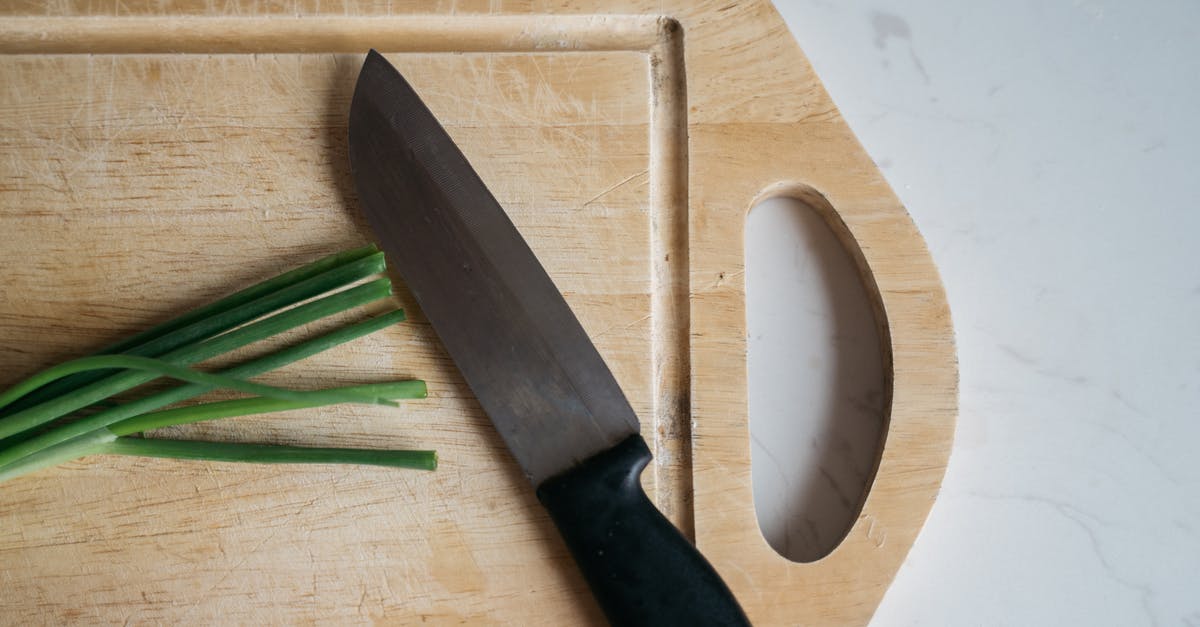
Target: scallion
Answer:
[[268, 454], [282, 291], [32, 435], [193, 353]]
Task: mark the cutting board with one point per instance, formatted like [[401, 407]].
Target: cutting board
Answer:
[[158, 155]]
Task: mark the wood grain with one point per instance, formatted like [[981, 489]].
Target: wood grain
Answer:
[[195, 149]]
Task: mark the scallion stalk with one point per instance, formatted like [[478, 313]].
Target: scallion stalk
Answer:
[[115, 384], [282, 291], [266, 363], [287, 279], [32, 437], [162, 368], [268, 454], [96, 441], [87, 444], [260, 405]]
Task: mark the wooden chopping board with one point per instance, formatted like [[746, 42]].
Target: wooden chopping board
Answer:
[[155, 156]]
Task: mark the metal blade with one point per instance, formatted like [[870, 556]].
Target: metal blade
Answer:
[[505, 324]]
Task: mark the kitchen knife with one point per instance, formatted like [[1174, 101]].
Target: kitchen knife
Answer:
[[526, 357]]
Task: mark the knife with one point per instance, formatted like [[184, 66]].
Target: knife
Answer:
[[526, 357]]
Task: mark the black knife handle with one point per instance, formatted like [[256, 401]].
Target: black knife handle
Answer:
[[638, 565]]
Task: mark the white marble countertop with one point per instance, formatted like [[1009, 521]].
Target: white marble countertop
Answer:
[[1046, 150]]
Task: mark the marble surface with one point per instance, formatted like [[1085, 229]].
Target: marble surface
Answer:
[[1046, 150]]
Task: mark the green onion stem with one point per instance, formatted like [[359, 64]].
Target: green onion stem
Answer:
[[251, 293], [266, 363], [268, 454], [86, 444], [267, 327], [181, 373], [259, 405], [327, 281], [282, 291]]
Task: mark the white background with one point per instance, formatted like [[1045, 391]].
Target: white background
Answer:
[[1046, 150]]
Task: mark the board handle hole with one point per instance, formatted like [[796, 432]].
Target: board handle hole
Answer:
[[819, 372]]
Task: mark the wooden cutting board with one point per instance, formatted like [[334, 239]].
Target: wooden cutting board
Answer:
[[156, 155]]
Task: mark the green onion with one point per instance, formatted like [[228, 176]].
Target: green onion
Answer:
[[290, 295], [260, 405], [165, 369], [251, 293], [86, 444], [268, 454], [282, 291], [94, 442], [255, 367], [32, 437], [50, 410]]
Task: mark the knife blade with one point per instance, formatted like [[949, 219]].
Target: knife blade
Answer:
[[525, 356]]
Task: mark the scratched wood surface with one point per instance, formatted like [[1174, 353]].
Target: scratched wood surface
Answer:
[[163, 155]]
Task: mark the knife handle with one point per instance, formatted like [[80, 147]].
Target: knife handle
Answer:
[[638, 565]]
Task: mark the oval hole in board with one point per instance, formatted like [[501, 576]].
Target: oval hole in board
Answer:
[[819, 373]]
